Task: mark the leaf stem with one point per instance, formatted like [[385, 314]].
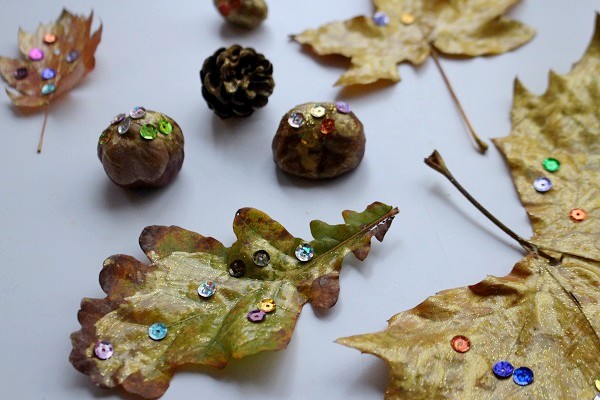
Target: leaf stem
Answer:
[[482, 146], [41, 142], [436, 162]]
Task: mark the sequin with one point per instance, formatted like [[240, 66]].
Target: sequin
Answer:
[[21, 73], [104, 350], [407, 18], [256, 315], [327, 126], [503, 369], [224, 9], [523, 376], [48, 73], [48, 88], [261, 258], [207, 289], [49, 38], [36, 54], [305, 252], [148, 131], [296, 120], [104, 136], [157, 331], [551, 164], [461, 344], [597, 397], [165, 127], [72, 56], [237, 268], [318, 111], [381, 19], [342, 107], [597, 384], [267, 305], [542, 184], [578, 215], [124, 127], [117, 119], [137, 112]]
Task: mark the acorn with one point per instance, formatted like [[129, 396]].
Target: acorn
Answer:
[[245, 13], [141, 149], [319, 140]]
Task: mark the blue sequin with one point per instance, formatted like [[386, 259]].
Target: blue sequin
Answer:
[[542, 184], [503, 369], [157, 331], [523, 376], [381, 19]]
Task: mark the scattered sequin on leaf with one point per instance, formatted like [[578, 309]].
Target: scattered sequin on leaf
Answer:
[[542, 184], [103, 350], [304, 252], [460, 343], [72, 56], [48, 88], [157, 331], [381, 19], [597, 384], [48, 73], [503, 369], [124, 127], [36, 54], [261, 258], [256, 315], [237, 268], [327, 126], [267, 305], [137, 112], [49, 38], [318, 111], [296, 120], [117, 119], [342, 107], [551, 164], [103, 137], [165, 127], [578, 215], [21, 73], [207, 289], [148, 131], [407, 18], [523, 376]]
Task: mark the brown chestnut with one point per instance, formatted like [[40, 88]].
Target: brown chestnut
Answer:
[[141, 149], [319, 140]]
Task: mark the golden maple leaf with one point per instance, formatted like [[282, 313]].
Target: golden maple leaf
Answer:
[[543, 316], [415, 28]]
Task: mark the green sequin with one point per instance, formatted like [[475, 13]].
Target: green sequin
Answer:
[[48, 88], [551, 164], [103, 138], [148, 131], [165, 127]]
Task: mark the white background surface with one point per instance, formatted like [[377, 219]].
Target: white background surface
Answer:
[[60, 216]]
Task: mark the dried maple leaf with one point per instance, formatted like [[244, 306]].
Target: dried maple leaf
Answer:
[[543, 315], [54, 60], [209, 331], [414, 29]]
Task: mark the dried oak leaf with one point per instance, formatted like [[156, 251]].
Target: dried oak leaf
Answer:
[[541, 316], [70, 54], [416, 27], [211, 331]]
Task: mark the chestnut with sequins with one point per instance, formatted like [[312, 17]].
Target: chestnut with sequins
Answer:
[[319, 140], [141, 149]]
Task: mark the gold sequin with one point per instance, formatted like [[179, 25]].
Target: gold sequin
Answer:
[[267, 305], [49, 38], [407, 18]]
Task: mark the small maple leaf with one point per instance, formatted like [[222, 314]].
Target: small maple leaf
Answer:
[[203, 293], [543, 316], [409, 30], [54, 59]]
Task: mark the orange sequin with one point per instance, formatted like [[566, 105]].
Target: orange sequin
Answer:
[[578, 214], [461, 344]]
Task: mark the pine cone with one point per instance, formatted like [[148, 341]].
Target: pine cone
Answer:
[[236, 81]]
